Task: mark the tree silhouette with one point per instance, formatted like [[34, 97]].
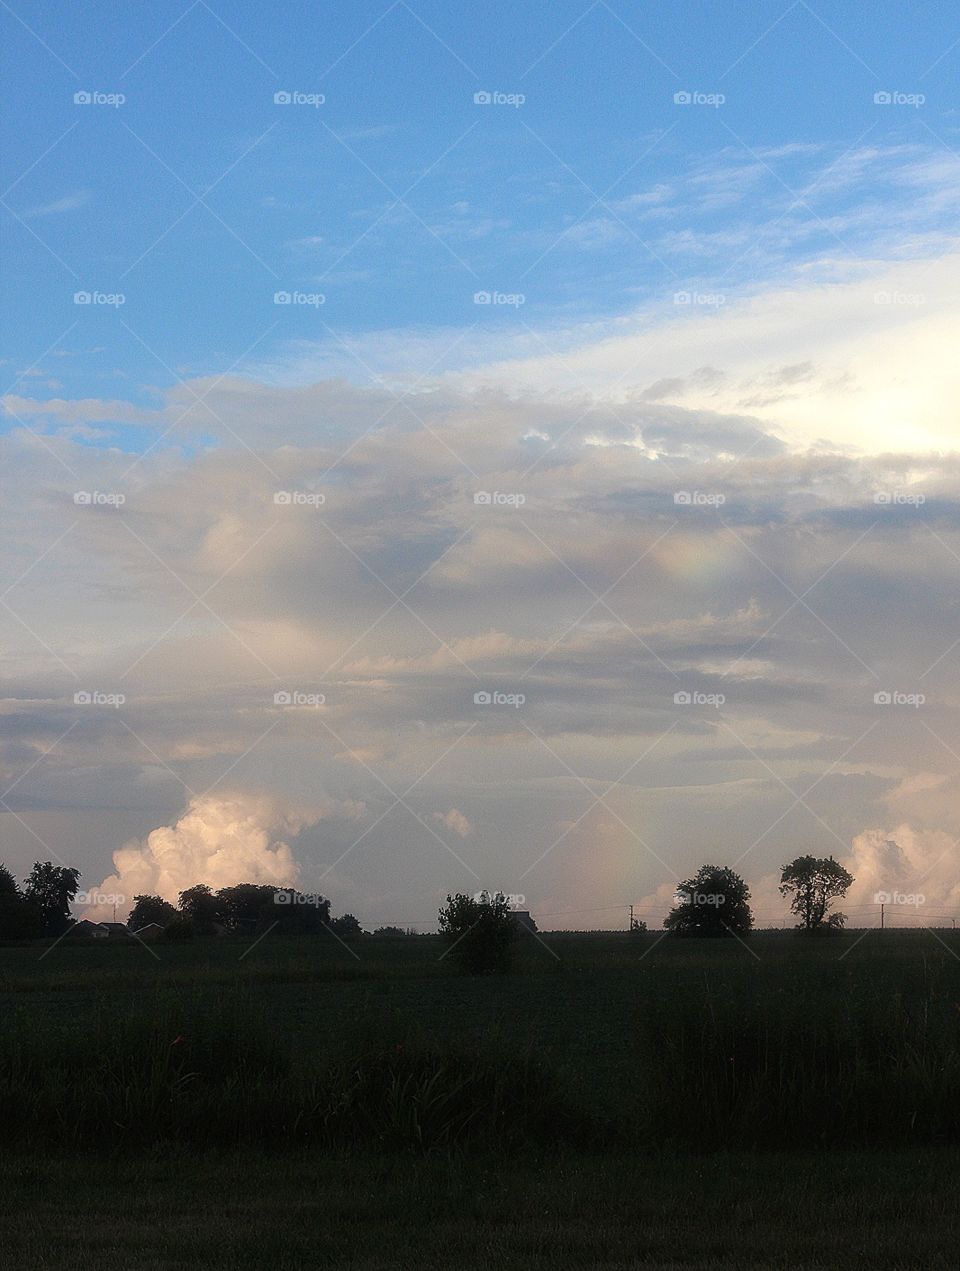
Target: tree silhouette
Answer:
[[480, 933], [149, 909], [813, 883], [51, 888], [715, 902]]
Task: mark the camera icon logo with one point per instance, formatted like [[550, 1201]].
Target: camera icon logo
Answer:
[[482, 297], [682, 497], [82, 298], [282, 298], [482, 698], [482, 99], [882, 99], [82, 498], [82, 98], [283, 498], [282, 698], [682, 99], [483, 498], [82, 698], [282, 99], [882, 699], [281, 898], [682, 698]]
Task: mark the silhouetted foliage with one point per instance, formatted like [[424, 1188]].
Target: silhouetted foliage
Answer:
[[390, 931], [50, 889], [149, 909], [813, 883], [19, 919], [346, 927], [202, 907], [247, 906], [715, 902], [480, 933]]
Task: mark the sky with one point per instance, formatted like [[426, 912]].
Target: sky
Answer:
[[491, 446]]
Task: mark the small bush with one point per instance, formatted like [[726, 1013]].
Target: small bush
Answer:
[[481, 933]]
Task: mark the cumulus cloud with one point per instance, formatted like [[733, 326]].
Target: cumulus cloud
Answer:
[[455, 821], [219, 840]]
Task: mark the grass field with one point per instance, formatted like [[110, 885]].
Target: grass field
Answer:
[[617, 1101]]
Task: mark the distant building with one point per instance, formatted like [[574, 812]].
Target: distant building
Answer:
[[524, 920], [115, 929], [94, 930]]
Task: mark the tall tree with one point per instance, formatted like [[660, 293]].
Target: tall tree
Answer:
[[202, 907], [51, 888], [19, 919], [813, 883], [715, 902], [149, 909]]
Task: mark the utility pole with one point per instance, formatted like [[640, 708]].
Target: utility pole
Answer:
[[631, 917], [881, 915]]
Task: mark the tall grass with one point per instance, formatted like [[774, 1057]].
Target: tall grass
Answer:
[[230, 1075], [701, 1046]]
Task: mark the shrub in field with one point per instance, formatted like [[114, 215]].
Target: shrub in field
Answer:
[[715, 902], [480, 933]]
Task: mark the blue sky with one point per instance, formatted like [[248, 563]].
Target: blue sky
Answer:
[[596, 196], [687, 483]]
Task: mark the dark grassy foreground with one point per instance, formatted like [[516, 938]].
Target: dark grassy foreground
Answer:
[[634, 1103], [783, 1212]]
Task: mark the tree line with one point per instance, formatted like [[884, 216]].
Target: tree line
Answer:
[[714, 902], [41, 908]]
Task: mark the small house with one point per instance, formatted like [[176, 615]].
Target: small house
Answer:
[[115, 930], [86, 928]]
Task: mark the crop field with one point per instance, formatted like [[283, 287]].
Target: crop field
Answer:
[[616, 1100]]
